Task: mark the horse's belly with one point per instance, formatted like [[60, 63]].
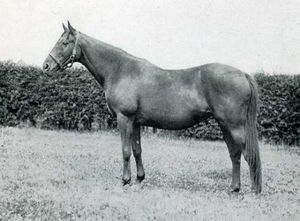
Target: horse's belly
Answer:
[[171, 115], [171, 122]]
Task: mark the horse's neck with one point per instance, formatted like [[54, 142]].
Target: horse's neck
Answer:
[[100, 59]]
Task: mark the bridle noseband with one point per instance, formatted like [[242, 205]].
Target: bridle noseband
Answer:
[[69, 62]]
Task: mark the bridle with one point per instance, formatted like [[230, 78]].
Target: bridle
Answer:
[[69, 62]]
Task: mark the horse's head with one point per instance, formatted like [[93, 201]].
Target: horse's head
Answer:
[[65, 52]]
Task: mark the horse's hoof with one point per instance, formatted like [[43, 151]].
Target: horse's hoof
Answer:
[[126, 181], [235, 190], [140, 178], [256, 190]]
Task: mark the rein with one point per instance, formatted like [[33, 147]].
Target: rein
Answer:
[[69, 62]]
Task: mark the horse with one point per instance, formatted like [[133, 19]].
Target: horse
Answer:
[[139, 94]]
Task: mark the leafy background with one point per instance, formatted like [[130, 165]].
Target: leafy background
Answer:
[[73, 100]]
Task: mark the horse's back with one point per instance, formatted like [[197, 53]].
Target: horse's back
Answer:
[[201, 82]]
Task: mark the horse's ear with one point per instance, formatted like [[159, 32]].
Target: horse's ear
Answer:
[[65, 28], [71, 29]]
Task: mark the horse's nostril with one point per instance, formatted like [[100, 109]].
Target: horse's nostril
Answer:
[[46, 66]]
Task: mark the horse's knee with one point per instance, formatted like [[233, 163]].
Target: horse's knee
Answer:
[[136, 147], [238, 136], [137, 153], [126, 154]]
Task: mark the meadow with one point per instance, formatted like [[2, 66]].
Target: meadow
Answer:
[[65, 175]]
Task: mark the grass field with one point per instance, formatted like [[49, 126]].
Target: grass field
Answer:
[[58, 175]]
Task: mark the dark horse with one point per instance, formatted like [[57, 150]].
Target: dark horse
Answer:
[[140, 93]]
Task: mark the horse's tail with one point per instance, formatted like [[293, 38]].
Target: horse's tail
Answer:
[[252, 149]]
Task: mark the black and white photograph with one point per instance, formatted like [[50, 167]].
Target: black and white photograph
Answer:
[[150, 110]]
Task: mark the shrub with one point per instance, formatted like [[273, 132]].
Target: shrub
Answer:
[[71, 99], [279, 112]]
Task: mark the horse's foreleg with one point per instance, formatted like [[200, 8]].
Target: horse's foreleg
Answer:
[[126, 129], [137, 153]]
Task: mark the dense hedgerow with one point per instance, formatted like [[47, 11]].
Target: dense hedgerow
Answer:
[[279, 111], [69, 100], [73, 100]]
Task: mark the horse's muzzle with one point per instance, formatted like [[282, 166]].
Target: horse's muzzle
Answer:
[[49, 66]]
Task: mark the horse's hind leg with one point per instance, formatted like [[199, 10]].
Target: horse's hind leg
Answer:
[[235, 140], [137, 153], [235, 134]]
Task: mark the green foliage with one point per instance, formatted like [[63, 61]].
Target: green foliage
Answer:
[[69, 100], [73, 100], [279, 112], [207, 130]]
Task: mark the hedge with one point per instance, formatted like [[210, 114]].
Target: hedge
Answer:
[[73, 100], [64, 100]]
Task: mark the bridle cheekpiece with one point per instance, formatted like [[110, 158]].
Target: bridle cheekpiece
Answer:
[[69, 62]]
